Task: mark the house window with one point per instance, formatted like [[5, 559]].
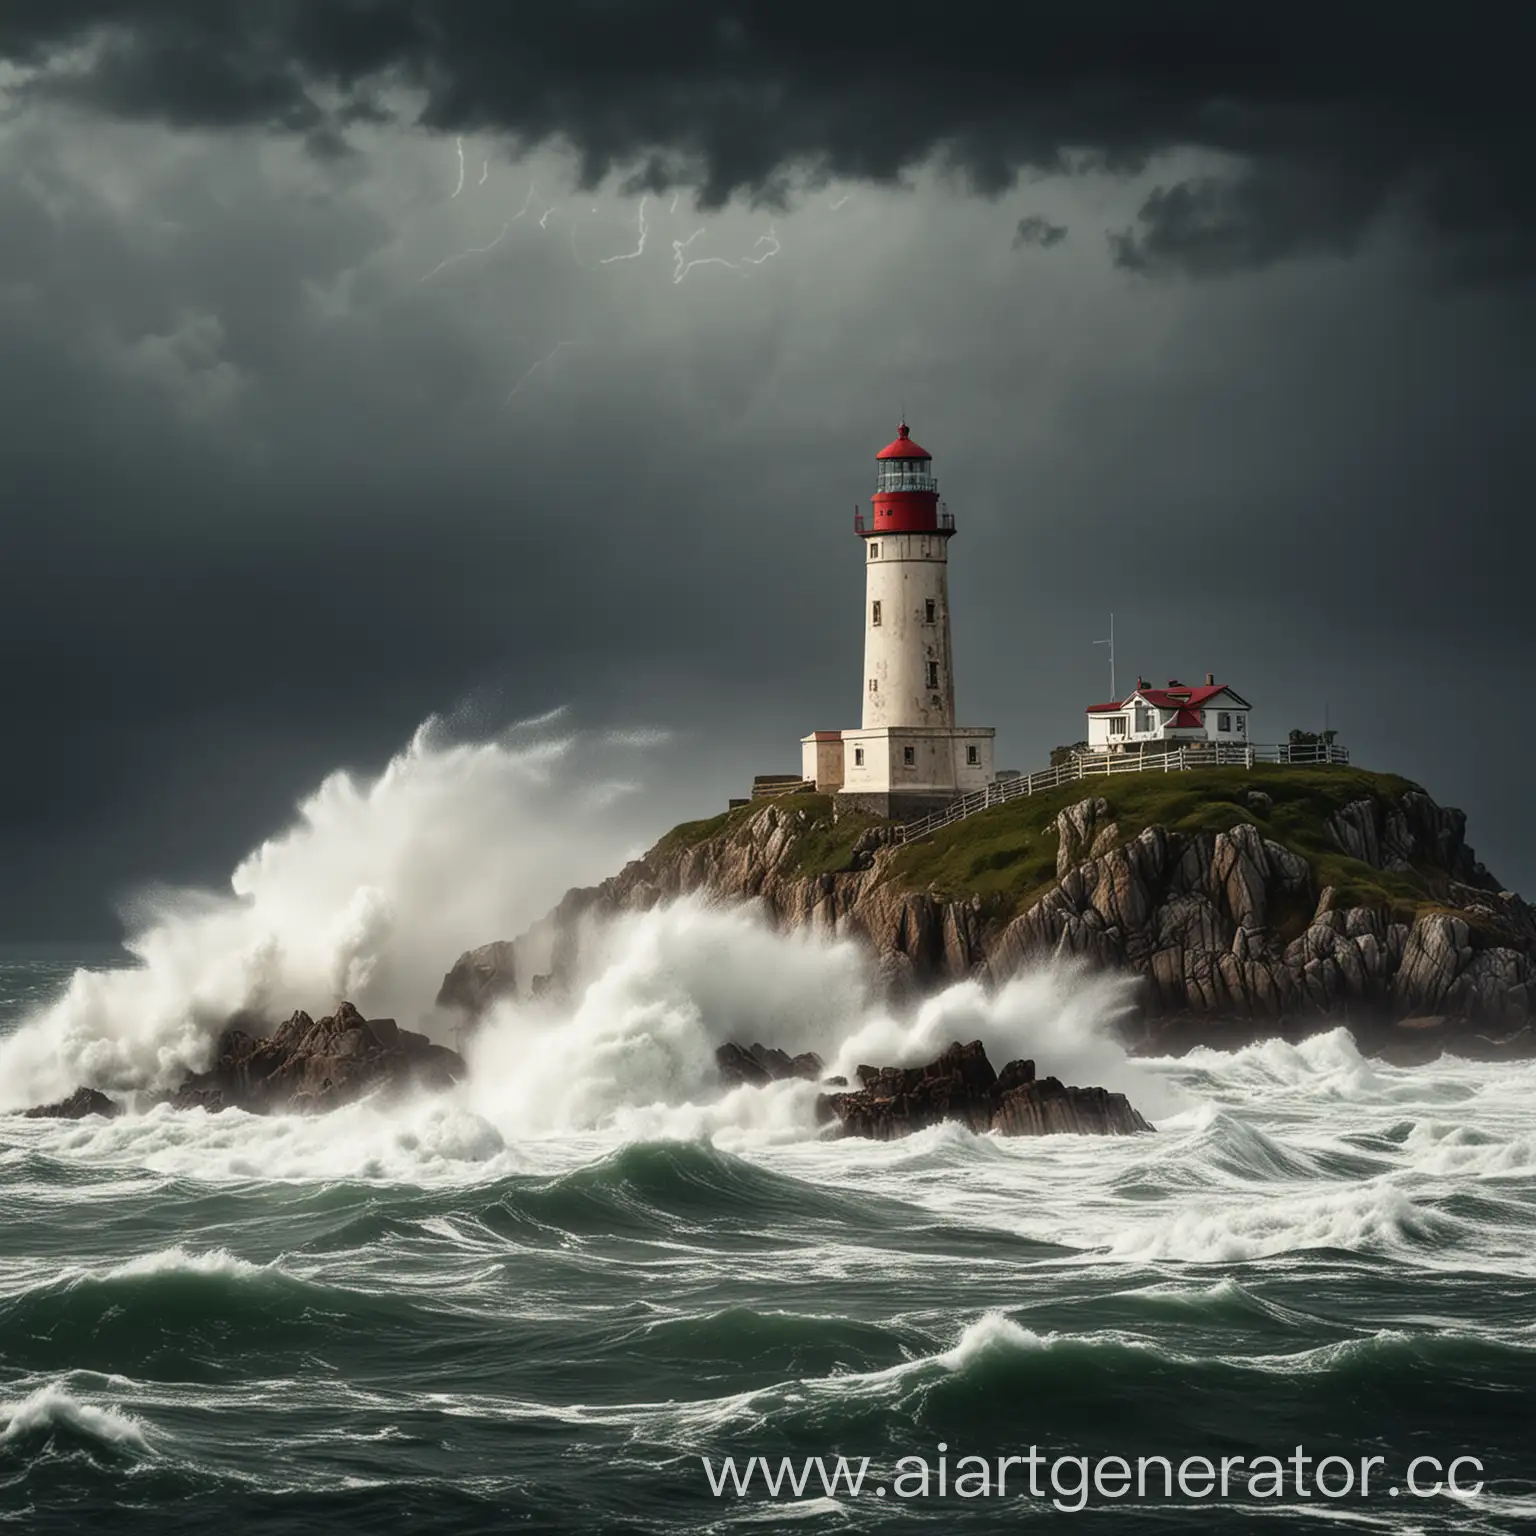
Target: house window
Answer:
[[1223, 721], [933, 674], [874, 685], [1242, 724], [1117, 725], [909, 755], [972, 756], [874, 551], [1143, 720], [874, 613], [930, 611], [858, 757]]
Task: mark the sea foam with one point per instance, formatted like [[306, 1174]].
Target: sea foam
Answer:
[[369, 895], [54, 1408]]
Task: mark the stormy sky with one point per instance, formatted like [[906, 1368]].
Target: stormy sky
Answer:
[[367, 359]]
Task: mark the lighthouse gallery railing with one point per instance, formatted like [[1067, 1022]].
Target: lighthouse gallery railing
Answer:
[[1088, 765], [944, 524]]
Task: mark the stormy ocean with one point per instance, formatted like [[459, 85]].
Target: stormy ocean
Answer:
[[541, 1301]]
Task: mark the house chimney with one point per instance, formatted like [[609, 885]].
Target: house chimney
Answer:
[[1210, 679]]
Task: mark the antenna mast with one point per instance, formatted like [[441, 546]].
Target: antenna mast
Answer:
[[1111, 644]]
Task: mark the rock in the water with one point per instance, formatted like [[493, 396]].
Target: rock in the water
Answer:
[[1049, 1108], [895, 1101], [763, 1064], [961, 1085], [312, 1065], [82, 1102]]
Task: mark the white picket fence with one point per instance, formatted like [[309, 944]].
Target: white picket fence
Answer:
[[1087, 765]]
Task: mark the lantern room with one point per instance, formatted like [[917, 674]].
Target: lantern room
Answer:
[[906, 496]]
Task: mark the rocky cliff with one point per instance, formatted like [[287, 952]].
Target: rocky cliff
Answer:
[[1241, 901]]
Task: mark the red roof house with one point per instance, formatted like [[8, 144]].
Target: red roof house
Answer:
[[1178, 713]]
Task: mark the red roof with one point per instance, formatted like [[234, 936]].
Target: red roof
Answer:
[[1178, 698], [1183, 699], [1186, 720], [903, 447]]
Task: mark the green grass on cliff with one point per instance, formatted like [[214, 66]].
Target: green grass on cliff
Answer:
[[1007, 856], [825, 846], [822, 845], [689, 834]]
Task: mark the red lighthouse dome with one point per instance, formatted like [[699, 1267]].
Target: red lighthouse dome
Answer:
[[903, 447], [906, 496]]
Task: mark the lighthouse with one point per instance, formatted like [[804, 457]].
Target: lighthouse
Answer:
[[908, 756]]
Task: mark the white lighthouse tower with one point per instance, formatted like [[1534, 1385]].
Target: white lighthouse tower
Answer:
[[908, 757]]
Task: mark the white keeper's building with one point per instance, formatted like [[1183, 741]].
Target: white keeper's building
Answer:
[[1180, 715]]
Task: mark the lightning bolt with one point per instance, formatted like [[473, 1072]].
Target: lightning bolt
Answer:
[[839, 203], [639, 249], [480, 250], [548, 357], [771, 239], [682, 265], [458, 145], [673, 208]]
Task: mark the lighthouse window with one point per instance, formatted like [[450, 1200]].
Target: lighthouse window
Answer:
[[874, 551], [858, 757], [909, 755], [933, 674], [874, 685], [930, 608], [874, 613], [972, 756]]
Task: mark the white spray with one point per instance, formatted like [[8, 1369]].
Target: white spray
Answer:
[[633, 1047], [379, 885], [370, 895]]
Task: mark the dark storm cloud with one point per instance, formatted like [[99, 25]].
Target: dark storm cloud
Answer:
[[1330, 115], [264, 508], [1035, 229]]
